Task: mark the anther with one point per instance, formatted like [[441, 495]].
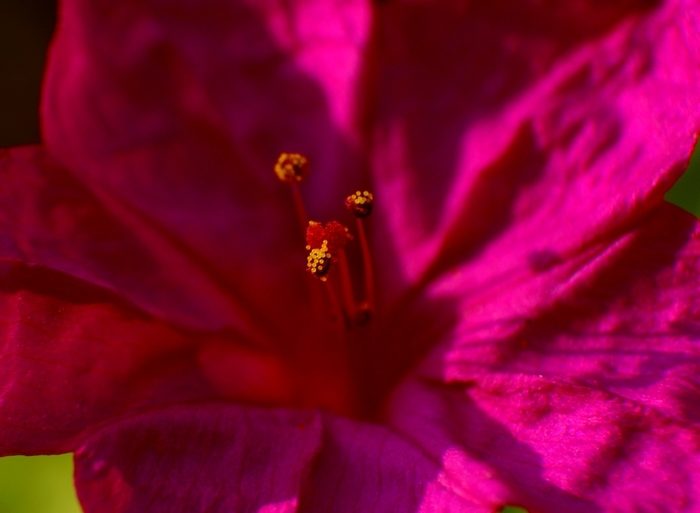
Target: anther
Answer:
[[360, 203], [335, 236], [291, 167], [318, 261]]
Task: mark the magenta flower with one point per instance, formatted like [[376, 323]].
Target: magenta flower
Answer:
[[535, 337]]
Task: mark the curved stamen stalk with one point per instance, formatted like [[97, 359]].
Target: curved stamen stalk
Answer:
[[346, 286], [292, 168], [360, 204], [368, 305]]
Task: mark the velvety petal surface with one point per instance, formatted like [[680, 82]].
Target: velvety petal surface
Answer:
[[48, 219], [77, 346], [551, 240], [625, 322], [590, 402], [173, 113], [225, 458], [557, 446], [509, 137], [73, 357], [203, 459]]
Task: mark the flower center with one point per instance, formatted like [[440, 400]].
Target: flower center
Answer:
[[335, 346], [326, 244], [328, 362]]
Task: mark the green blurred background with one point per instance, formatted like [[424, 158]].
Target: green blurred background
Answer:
[[40, 484], [686, 192]]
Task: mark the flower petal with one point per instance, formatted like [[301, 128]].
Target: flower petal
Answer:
[[73, 357], [76, 342], [206, 459], [48, 219], [226, 458], [173, 113], [580, 272], [558, 446], [369, 468], [626, 322], [533, 141]]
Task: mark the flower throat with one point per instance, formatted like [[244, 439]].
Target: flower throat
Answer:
[[326, 243]]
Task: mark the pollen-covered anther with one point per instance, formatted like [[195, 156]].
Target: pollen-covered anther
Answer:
[[318, 261], [360, 203], [291, 167], [336, 235]]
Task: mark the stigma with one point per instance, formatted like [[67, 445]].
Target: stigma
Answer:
[[335, 234]]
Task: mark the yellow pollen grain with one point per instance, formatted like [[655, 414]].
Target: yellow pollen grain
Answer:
[[291, 167], [318, 261], [362, 197]]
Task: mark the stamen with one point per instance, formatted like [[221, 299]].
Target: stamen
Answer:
[[368, 306], [325, 243], [299, 205], [360, 205], [337, 311], [292, 168], [346, 285], [335, 236]]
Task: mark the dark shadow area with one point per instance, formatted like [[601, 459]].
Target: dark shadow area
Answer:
[[54, 284], [385, 351], [25, 30], [488, 209]]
